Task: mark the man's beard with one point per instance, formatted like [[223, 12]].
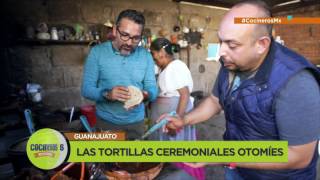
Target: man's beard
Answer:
[[126, 49]]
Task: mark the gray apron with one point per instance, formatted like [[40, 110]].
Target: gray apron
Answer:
[[165, 105]]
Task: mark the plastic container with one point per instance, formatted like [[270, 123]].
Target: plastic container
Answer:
[[90, 112], [34, 92], [54, 33]]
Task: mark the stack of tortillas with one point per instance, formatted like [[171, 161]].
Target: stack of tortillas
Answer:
[[135, 99]]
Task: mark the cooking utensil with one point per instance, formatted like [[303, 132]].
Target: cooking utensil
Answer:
[[85, 123], [28, 116], [157, 126], [71, 114], [95, 169]]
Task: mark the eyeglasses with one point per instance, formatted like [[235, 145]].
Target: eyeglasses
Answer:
[[126, 37]]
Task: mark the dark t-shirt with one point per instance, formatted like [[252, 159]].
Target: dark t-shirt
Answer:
[[297, 108]]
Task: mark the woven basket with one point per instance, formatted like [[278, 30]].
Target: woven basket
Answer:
[[143, 175]]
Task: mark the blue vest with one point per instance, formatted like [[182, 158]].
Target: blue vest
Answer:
[[249, 110]]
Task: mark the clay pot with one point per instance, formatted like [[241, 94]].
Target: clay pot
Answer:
[[129, 171], [18, 156]]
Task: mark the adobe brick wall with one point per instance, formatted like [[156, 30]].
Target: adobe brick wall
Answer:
[[304, 39], [58, 68]]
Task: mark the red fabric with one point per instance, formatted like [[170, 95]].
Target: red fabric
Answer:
[[90, 112], [232, 165]]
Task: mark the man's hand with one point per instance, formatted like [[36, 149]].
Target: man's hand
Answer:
[[145, 95], [175, 123], [118, 93]]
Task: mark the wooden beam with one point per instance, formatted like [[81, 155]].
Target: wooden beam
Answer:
[[272, 3], [217, 3], [294, 6]]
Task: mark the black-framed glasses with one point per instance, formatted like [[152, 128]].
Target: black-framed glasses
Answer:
[[126, 37]]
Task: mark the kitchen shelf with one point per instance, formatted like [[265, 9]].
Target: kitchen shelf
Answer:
[[54, 42]]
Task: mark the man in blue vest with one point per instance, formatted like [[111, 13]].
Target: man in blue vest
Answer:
[[267, 92]]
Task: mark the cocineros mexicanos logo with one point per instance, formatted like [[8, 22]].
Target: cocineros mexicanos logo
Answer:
[[47, 148]]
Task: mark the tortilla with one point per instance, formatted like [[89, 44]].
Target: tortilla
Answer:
[[135, 99]]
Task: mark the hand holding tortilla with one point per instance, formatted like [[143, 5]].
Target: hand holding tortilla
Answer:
[[136, 97], [118, 93]]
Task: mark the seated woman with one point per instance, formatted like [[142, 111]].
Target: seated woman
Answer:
[[175, 84]]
